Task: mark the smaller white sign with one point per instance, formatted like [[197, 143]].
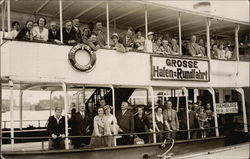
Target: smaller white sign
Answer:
[[227, 108]]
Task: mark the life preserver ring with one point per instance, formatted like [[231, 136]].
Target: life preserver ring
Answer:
[[75, 64]]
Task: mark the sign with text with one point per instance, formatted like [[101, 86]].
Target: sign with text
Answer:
[[227, 108], [171, 68]]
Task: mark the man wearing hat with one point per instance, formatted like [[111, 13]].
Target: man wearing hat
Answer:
[[116, 45], [149, 42]]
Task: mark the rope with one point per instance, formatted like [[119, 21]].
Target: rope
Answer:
[[163, 156]]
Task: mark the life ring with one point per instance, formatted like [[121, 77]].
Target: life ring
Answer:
[[75, 64]]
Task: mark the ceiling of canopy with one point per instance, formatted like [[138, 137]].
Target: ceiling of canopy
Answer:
[[122, 14]]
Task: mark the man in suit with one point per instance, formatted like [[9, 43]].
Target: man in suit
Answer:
[[69, 35], [127, 40], [101, 37], [193, 121], [78, 32], [170, 116], [54, 33], [125, 120], [56, 129], [79, 126]]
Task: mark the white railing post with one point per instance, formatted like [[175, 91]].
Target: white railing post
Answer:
[[8, 15], [208, 24], [61, 20], [241, 91], [113, 101], [146, 21], [11, 85], [187, 111], [64, 86], [179, 24], [237, 28], [107, 18], [151, 90], [21, 109], [212, 92]]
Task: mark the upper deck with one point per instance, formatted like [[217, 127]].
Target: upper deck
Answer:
[[27, 62]]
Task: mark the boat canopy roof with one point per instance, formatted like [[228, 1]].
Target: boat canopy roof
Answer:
[[162, 16]]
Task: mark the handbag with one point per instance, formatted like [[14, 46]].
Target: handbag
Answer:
[[138, 141]]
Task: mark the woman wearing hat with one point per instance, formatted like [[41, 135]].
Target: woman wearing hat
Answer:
[[112, 127], [115, 44]]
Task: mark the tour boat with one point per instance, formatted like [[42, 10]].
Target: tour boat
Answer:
[[42, 66]]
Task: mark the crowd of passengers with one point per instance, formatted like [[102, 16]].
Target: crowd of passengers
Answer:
[[132, 40], [103, 125]]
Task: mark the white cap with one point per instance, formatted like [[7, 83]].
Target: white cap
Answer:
[[150, 33], [115, 34]]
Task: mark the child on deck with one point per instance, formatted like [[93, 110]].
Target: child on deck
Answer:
[[202, 119]]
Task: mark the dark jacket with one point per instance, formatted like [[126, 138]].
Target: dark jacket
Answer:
[[129, 43], [193, 121], [78, 35], [56, 128], [126, 121], [79, 124], [141, 124], [53, 37], [68, 36], [24, 34]]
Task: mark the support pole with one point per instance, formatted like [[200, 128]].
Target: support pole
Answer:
[[11, 85], [241, 91], [50, 103], [64, 86], [208, 24], [179, 24], [83, 94], [3, 20], [21, 109], [146, 21], [211, 90], [8, 15], [151, 90], [237, 28], [187, 111], [107, 18], [113, 102], [61, 20]]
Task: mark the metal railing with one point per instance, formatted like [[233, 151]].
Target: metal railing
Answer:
[[39, 123]]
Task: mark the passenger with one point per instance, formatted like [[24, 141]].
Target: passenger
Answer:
[[159, 124], [174, 47], [221, 52], [69, 35], [115, 43], [170, 115], [210, 116], [127, 40], [139, 41], [165, 47], [193, 121], [212, 42], [101, 37], [184, 48], [157, 47], [54, 33], [25, 33], [40, 33], [149, 43], [228, 53], [79, 126], [141, 124], [214, 51], [100, 129], [15, 31], [202, 120], [202, 47], [113, 127], [78, 32], [125, 119], [93, 43], [56, 129], [193, 47], [85, 35]]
